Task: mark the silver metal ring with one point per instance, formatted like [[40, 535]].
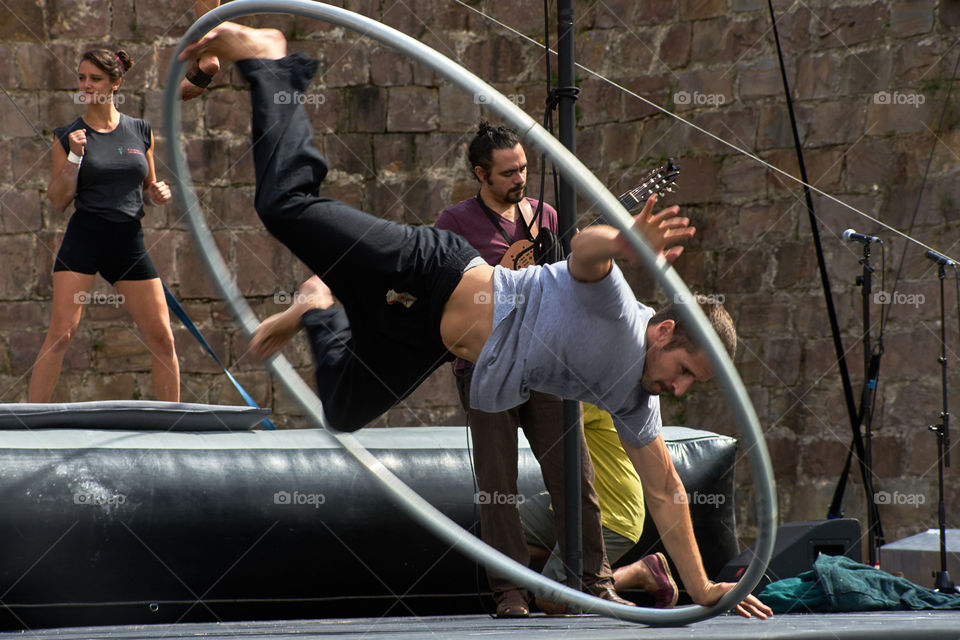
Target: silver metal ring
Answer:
[[587, 186]]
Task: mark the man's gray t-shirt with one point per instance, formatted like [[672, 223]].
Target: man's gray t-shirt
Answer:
[[577, 340]]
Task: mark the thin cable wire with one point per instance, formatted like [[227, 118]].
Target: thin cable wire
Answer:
[[750, 155], [24, 116]]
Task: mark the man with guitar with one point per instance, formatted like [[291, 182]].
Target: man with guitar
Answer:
[[501, 224], [415, 297]]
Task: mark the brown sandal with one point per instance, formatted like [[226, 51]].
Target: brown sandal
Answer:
[[513, 604]]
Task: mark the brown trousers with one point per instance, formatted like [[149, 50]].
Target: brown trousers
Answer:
[[495, 461]]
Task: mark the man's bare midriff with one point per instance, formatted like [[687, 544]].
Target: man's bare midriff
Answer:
[[468, 315]]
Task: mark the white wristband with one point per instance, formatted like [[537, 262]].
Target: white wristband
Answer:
[[74, 158]]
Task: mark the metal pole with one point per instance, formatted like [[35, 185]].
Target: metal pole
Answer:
[[567, 198], [943, 582], [567, 205], [866, 406]]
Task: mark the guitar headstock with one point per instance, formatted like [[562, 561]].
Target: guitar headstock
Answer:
[[660, 181]]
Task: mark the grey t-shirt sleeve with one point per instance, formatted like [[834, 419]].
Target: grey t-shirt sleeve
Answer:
[[640, 426], [610, 297]]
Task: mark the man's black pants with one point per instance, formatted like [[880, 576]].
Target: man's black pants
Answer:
[[393, 280]]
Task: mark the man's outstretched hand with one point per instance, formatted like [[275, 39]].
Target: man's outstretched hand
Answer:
[[593, 248], [750, 607], [662, 230]]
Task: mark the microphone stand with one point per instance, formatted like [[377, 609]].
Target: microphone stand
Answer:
[[943, 582], [871, 366]]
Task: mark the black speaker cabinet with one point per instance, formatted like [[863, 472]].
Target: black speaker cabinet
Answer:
[[797, 547]]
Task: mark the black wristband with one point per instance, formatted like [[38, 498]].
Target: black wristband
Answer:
[[199, 78]]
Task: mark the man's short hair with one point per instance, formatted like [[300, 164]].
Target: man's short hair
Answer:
[[489, 139], [719, 319]]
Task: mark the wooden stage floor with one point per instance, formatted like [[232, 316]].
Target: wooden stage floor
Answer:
[[839, 626]]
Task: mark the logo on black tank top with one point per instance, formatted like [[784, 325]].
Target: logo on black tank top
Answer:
[[402, 297]]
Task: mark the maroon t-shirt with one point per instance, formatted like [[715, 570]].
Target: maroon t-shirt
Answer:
[[468, 220]]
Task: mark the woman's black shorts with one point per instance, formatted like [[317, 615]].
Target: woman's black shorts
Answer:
[[115, 250]]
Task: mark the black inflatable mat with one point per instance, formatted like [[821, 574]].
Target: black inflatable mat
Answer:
[[130, 415]]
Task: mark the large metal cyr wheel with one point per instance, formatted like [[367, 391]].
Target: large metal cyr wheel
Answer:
[[588, 187]]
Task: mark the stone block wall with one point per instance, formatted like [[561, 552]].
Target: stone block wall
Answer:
[[877, 116]]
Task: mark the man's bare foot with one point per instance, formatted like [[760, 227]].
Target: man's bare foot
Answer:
[[210, 65], [277, 330], [635, 575], [231, 42]]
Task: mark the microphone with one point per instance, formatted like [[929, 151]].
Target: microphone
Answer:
[[852, 236], [939, 259]]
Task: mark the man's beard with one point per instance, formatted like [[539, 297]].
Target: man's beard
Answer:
[[647, 381], [514, 196], [651, 388]]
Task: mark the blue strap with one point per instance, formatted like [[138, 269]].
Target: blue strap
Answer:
[[181, 313]]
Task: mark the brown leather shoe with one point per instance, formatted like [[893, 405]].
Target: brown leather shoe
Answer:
[[513, 604], [550, 607], [605, 591]]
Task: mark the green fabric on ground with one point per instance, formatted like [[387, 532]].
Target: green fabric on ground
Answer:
[[801, 594], [838, 583]]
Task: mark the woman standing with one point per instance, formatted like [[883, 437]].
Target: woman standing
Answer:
[[103, 163]]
